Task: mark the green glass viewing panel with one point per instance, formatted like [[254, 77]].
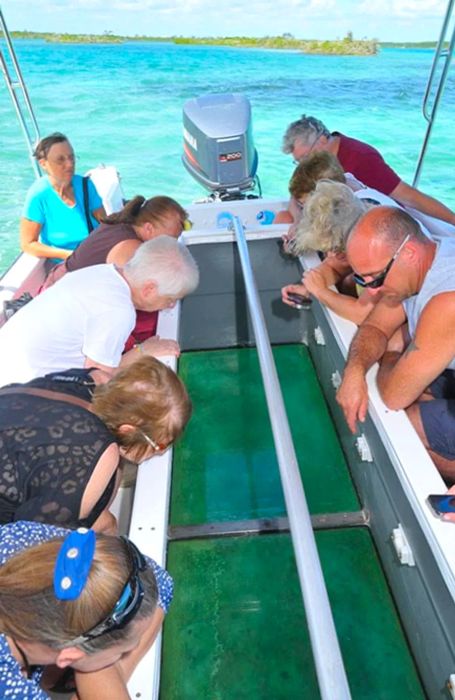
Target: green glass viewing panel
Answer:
[[236, 629], [225, 466]]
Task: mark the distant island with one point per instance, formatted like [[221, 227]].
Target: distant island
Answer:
[[339, 47], [347, 46]]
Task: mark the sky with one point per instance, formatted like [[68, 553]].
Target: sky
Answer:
[[386, 20]]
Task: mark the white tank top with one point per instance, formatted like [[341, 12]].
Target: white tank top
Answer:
[[439, 278]]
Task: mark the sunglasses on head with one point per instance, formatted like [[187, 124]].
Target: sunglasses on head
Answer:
[[378, 280], [129, 600]]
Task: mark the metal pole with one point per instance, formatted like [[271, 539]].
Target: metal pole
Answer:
[[440, 88], [12, 87], [330, 671]]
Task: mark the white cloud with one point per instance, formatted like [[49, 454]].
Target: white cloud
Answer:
[[403, 9], [406, 20]]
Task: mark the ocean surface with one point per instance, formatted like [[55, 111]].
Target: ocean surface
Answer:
[[122, 105]]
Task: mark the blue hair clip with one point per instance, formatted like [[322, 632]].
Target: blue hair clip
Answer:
[[73, 564]]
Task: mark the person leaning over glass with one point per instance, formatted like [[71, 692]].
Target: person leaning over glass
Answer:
[[54, 219], [62, 437], [75, 600]]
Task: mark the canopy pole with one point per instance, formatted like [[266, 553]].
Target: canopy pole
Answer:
[[330, 671]]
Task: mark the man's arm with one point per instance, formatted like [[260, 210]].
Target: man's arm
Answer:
[[411, 197], [402, 379], [368, 346], [353, 308]]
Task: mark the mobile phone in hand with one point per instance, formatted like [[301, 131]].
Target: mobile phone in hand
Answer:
[[441, 504], [298, 299]]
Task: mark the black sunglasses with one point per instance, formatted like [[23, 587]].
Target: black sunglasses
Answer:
[[379, 279], [129, 601]]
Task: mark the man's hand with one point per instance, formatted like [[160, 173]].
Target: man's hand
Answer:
[[353, 399], [158, 347]]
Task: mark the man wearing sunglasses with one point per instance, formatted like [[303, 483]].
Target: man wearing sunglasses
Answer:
[[416, 279]]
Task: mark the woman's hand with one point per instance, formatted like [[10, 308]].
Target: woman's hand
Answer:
[[314, 282], [293, 289]]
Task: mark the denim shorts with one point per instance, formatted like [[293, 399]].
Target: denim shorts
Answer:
[[438, 415]]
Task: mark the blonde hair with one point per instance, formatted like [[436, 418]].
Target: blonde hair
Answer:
[[30, 611], [149, 396], [328, 216], [312, 168]]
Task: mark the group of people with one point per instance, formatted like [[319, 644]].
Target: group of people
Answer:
[[82, 392], [394, 279], [82, 388]]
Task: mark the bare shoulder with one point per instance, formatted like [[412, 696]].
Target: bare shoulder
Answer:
[[439, 311], [122, 252], [441, 307]]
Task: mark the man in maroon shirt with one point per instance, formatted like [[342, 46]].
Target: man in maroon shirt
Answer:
[[308, 134]]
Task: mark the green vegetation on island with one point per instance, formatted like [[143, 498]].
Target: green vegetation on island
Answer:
[[346, 46], [106, 38], [340, 47]]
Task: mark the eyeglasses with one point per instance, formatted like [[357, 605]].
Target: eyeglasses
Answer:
[[129, 601], [378, 280], [157, 446]]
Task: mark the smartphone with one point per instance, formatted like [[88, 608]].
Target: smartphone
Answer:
[[441, 504], [298, 299]]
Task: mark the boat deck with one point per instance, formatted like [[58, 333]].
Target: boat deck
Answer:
[[237, 627]]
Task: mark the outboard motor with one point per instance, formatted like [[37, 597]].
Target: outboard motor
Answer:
[[218, 148]]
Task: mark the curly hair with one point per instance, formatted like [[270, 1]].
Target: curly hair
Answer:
[[329, 214]]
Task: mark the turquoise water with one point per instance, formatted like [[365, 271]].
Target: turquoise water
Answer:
[[121, 105]]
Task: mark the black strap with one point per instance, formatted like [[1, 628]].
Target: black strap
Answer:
[[48, 394], [86, 204]]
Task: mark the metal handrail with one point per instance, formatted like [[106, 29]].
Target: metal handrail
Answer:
[[13, 86], [431, 116], [330, 670]]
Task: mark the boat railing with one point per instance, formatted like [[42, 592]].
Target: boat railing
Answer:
[[330, 670], [19, 96], [430, 114]]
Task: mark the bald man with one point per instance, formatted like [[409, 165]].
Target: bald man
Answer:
[[415, 277]]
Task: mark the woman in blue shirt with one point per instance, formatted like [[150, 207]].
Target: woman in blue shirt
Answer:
[[54, 220]]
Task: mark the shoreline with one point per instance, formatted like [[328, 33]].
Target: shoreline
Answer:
[[340, 47], [347, 46]]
